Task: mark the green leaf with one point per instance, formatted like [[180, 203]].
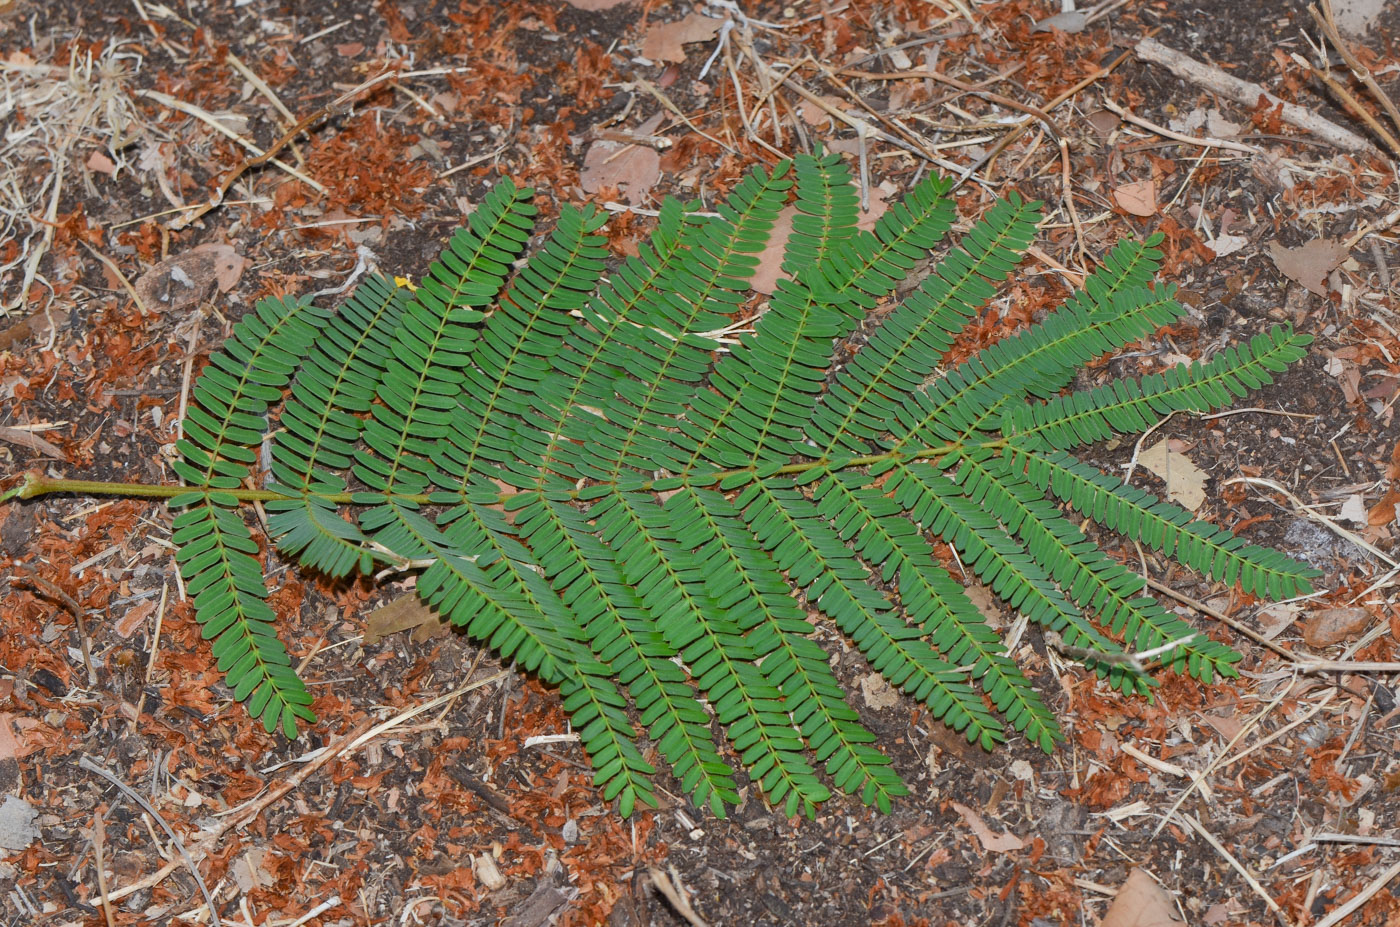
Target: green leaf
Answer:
[[655, 491]]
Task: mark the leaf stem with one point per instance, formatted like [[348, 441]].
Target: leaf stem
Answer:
[[35, 485]]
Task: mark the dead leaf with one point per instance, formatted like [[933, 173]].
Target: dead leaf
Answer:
[[664, 40], [401, 614], [249, 873], [1141, 902], [1138, 198], [1185, 481], [21, 736], [877, 692], [1227, 244], [877, 206], [633, 169], [182, 281], [10, 747], [1276, 619], [99, 162], [1227, 727], [228, 265], [1385, 511], [1354, 510], [770, 259], [992, 842], [1221, 912], [1310, 264], [1103, 122], [18, 827], [1329, 626]]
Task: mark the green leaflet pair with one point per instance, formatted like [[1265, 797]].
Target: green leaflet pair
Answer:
[[598, 479]]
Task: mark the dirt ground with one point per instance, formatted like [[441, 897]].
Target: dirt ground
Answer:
[[1268, 799]]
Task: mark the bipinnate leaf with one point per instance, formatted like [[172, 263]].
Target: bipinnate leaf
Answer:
[[673, 502]]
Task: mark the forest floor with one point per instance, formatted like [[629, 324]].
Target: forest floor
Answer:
[[420, 797]]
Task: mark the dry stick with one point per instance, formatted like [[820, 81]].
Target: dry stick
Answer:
[[31, 267], [1206, 142], [1211, 766], [1356, 901], [676, 111], [749, 126], [251, 76], [920, 144], [1006, 140], [1304, 664], [1068, 186], [675, 894], [99, 837], [151, 658], [126, 284], [255, 808], [87, 763], [864, 128], [1261, 744], [1352, 104], [259, 157], [964, 86], [362, 733], [1237, 866], [1247, 94], [1312, 513], [53, 590], [189, 109], [1328, 24]]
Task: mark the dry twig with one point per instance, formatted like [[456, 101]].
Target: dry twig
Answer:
[[1328, 24], [1247, 94], [92, 766]]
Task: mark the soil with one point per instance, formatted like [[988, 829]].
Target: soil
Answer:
[[451, 817]]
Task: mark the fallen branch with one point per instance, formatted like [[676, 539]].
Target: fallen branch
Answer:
[[1246, 93]]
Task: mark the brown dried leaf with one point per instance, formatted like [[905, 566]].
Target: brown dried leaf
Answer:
[[877, 692], [401, 614], [1138, 198], [1227, 726], [633, 169], [1141, 902], [765, 278], [664, 40], [1310, 264], [250, 871], [1385, 511], [228, 265], [1186, 482], [992, 842], [17, 747]]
